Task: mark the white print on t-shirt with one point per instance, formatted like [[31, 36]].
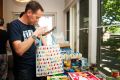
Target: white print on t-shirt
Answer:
[[27, 34]]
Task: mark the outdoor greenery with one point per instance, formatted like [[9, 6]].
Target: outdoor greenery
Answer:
[[110, 11], [110, 20]]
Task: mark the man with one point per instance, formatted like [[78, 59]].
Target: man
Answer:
[[22, 36]]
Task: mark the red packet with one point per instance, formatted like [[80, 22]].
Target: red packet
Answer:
[[82, 76]]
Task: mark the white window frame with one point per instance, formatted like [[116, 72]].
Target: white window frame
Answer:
[[74, 24], [92, 33]]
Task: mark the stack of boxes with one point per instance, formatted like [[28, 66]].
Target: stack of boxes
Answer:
[[72, 60]]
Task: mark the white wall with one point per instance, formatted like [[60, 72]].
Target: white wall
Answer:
[[67, 2], [57, 6]]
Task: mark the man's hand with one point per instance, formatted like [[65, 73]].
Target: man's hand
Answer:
[[39, 31]]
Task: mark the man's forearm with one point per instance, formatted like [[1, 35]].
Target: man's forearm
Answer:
[[22, 47]]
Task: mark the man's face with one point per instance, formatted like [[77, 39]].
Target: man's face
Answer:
[[34, 17]]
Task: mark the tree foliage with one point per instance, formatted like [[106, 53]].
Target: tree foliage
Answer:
[[110, 11]]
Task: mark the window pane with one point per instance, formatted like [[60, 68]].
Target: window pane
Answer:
[[108, 35], [110, 12], [47, 21], [84, 42], [109, 48], [68, 25], [83, 32], [84, 11], [68, 35]]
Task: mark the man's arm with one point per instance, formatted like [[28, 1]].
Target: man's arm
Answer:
[[46, 33], [21, 47]]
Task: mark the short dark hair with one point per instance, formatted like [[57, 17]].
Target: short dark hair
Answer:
[[1, 21], [34, 6]]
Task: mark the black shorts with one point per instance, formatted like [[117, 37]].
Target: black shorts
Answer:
[[27, 74]]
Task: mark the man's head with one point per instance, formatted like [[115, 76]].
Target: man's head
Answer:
[[33, 11], [1, 21]]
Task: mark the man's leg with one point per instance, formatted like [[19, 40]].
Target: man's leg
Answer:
[[26, 74], [41, 78]]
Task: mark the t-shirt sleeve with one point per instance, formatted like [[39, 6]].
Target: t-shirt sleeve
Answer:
[[14, 32]]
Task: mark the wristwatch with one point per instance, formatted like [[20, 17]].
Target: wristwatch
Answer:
[[34, 37]]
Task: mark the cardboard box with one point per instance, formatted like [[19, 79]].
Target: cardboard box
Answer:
[[57, 78]]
